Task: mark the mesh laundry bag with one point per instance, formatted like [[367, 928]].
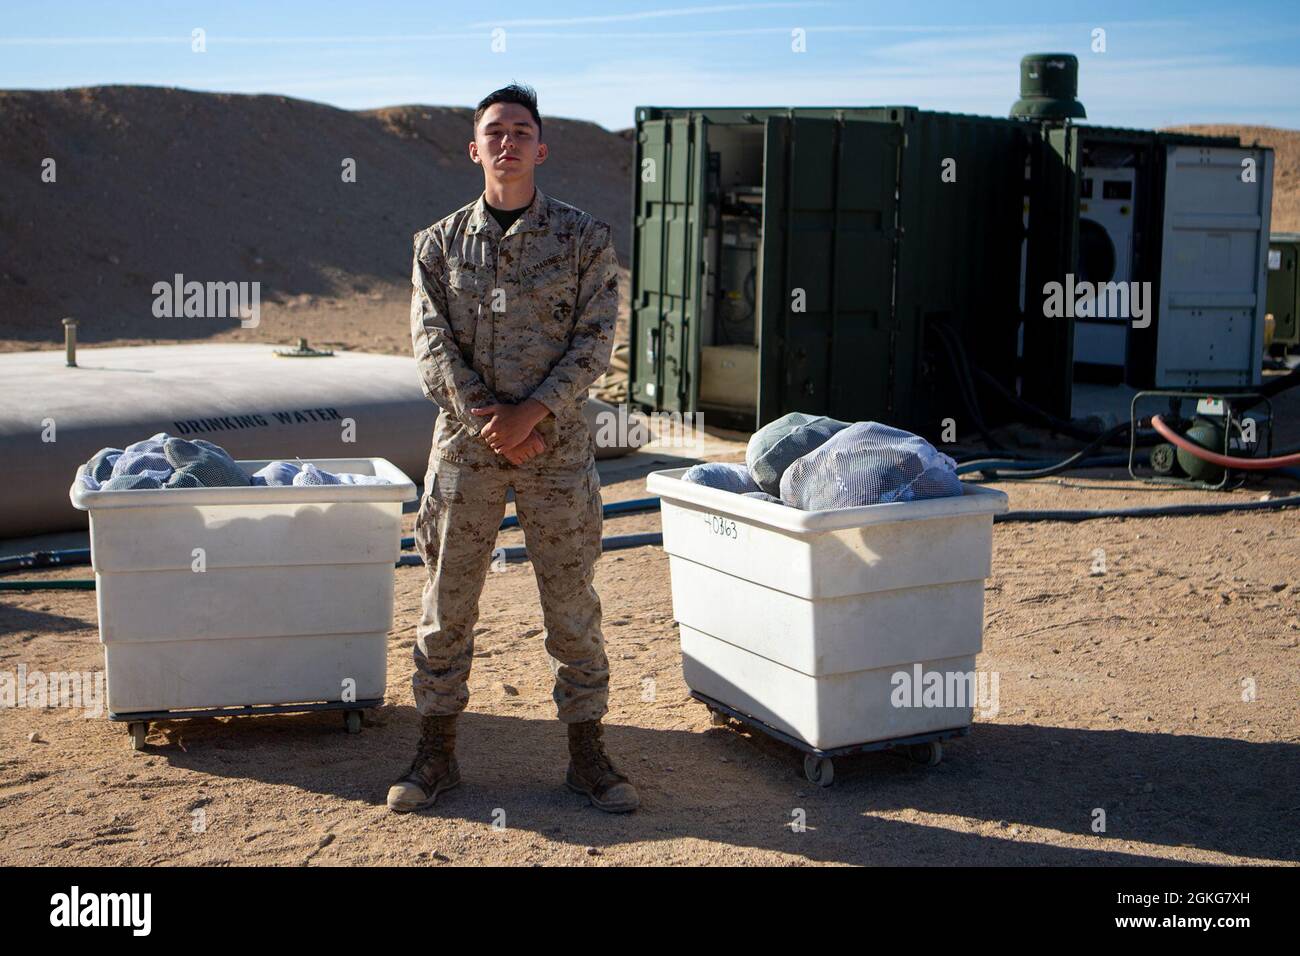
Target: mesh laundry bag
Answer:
[[277, 473], [214, 448], [130, 483], [149, 446], [779, 444], [184, 478], [869, 463], [142, 463], [100, 467], [311, 475], [213, 469], [348, 478], [211, 473], [180, 452], [764, 496], [727, 476]]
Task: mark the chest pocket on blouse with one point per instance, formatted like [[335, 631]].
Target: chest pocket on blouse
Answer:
[[467, 289], [464, 281]]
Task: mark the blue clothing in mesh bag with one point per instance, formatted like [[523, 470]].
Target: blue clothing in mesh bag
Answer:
[[764, 496], [869, 463], [779, 444], [727, 476], [348, 478], [100, 467], [149, 446], [276, 473], [311, 475], [213, 469], [142, 463], [215, 449], [166, 462], [130, 483]]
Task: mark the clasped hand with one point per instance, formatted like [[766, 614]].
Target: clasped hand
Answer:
[[511, 432]]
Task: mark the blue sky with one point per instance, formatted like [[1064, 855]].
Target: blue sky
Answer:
[[1164, 63]]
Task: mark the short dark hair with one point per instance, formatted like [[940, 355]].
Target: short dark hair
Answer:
[[514, 93]]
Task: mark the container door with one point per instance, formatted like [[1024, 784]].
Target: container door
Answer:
[[1047, 369], [668, 230], [826, 321], [1209, 323], [1282, 292]]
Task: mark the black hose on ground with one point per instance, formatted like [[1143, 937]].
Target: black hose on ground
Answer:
[[87, 584], [1156, 511], [993, 474], [46, 559]]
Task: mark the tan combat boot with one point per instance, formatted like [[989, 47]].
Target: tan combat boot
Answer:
[[433, 770], [592, 773]]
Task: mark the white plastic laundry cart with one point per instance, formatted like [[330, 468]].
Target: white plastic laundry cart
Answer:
[[222, 601], [814, 626]]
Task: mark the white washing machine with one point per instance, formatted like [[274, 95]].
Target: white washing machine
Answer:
[[1106, 201]]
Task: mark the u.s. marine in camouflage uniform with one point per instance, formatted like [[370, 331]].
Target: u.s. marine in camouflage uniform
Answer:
[[510, 328]]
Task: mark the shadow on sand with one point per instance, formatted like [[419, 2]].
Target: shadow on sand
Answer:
[[721, 785]]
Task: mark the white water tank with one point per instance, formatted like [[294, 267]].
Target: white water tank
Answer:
[[242, 397]]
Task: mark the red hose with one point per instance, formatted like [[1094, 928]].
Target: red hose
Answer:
[[1227, 461]]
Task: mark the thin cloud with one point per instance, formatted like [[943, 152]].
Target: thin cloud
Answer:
[[88, 41], [214, 39], [649, 14]]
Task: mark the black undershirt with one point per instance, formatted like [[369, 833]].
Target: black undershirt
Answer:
[[506, 217]]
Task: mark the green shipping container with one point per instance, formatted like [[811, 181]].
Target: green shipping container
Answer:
[[801, 260], [826, 261]]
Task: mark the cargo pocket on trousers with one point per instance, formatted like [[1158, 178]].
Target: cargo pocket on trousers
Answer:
[[426, 520], [453, 441]]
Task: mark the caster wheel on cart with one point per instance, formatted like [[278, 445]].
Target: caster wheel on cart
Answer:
[[928, 754], [819, 770], [717, 718], [352, 721], [138, 729]]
